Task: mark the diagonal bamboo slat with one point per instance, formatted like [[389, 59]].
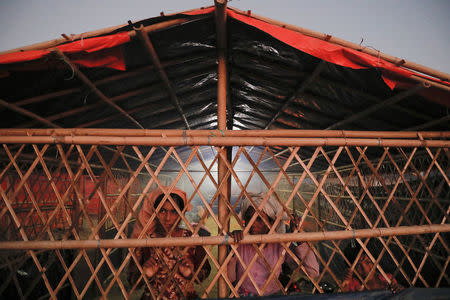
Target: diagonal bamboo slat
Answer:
[[68, 205]]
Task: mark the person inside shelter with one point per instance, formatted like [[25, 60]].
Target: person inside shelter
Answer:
[[171, 271], [258, 280], [366, 270]]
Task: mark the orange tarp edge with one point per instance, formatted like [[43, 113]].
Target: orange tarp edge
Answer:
[[104, 51], [101, 51]]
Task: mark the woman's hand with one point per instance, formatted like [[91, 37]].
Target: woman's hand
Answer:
[[150, 267], [237, 235], [395, 287], [186, 267]]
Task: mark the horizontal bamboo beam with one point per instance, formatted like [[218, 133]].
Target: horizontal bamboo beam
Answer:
[[223, 133], [221, 141], [95, 33], [219, 240]]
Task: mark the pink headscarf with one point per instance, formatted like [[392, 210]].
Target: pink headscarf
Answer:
[[272, 208], [148, 209]]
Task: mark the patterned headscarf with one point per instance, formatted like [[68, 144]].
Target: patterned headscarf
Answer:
[[148, 209], [272, 208]]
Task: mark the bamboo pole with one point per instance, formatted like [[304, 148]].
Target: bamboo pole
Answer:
[[334, 40], [226, 133], [226, 240], [104, 31], [143, 36], [322, 36], [376, 107], [222, 82], [94, 88], [108, 79], [434, 122], [221, 141], [27, 113], [315, 74], [373, 99]]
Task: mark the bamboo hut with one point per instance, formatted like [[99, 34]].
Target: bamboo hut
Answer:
[[220, 103]]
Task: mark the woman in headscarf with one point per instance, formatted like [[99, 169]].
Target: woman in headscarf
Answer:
[[271, 252], [169, 269]]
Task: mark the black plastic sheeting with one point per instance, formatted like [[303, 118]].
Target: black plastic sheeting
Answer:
[[264, 73], [406, 294]]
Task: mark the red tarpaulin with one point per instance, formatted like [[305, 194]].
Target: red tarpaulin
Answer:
[[93, 52], [104, 51], [324, 50]]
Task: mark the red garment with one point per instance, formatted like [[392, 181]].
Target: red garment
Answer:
[[354, 285], [167, 281]]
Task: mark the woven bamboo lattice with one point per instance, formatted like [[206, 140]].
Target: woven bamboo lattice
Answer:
[[68, 207]]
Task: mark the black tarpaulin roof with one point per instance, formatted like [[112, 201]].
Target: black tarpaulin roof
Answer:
[[279, 78], [264, 74]]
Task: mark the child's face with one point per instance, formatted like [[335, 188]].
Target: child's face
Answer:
[[365, 265], [259, 226], [167, 215]]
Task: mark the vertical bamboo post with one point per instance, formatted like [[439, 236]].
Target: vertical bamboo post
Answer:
[[220, 17]]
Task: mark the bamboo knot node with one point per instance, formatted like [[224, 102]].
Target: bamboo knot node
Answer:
[[184, 137], [139, 28], [400, 62]]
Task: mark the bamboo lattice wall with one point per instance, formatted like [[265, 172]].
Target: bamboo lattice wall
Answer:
[[69, 202]]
